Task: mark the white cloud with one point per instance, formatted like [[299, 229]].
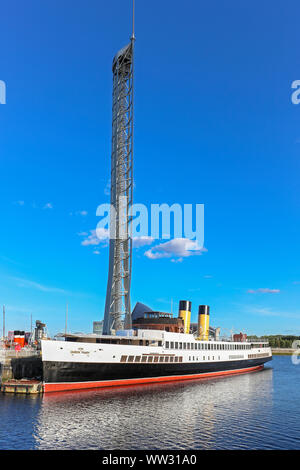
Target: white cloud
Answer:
[[263, 291], [137, 242], [268, 312], [95, 237], [101, 235], [35, 285], [91, 239], [82, 213], [48, 205], [178, 247]]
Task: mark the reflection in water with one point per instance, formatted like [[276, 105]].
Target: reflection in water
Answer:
[[252, 411], [232, 412]]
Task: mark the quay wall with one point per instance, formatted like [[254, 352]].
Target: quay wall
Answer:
[[284, 351], [20, 365]]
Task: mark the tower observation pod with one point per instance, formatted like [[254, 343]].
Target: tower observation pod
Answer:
[[203, 322], [185, 308], [117, 307]]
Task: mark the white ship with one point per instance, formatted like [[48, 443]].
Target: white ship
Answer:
[[147, 355]]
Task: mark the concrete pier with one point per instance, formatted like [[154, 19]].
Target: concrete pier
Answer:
[[20, 371], [23, 386]]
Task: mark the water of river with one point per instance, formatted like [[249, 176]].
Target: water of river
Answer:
[[259, 410]]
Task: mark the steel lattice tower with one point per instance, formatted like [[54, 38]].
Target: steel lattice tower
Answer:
[[117, 306]]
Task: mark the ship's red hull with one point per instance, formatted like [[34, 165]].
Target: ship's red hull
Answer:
[[67, 386]]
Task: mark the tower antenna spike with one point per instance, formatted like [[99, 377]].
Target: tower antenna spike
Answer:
[[133, 20]]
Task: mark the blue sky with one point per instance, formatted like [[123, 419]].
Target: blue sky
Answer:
[[214, 124]]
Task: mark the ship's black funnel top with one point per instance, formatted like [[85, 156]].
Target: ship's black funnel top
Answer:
[[185, 305], [203, 310]]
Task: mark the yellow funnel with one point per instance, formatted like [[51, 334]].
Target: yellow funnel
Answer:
[[185, 308], [203, 322]]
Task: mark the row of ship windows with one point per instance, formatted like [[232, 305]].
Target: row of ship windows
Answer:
[[171, 358], [208, 346], [151, 358], [254, 356]]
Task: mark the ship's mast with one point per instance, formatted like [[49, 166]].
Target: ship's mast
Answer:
[[117, 307]]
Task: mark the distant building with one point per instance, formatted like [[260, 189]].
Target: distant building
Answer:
[[144, 318], [240, 337], [159, 321], [98, 327]]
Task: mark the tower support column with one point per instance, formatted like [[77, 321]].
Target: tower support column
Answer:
[[117, 307]]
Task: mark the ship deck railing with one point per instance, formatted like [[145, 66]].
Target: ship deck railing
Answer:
[[230, 340]]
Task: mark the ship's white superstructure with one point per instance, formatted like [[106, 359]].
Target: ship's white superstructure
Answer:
[[145, 356], [155, 346]]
